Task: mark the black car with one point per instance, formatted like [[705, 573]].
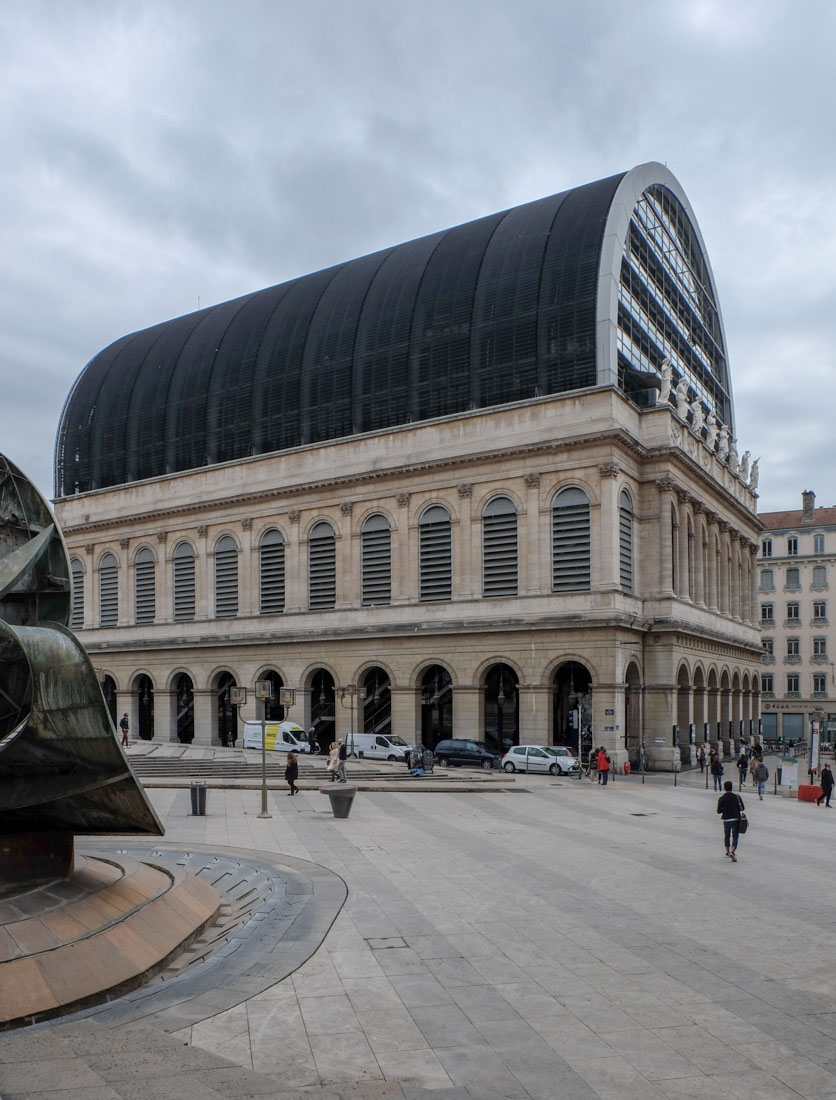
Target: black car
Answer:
[[460, 751]]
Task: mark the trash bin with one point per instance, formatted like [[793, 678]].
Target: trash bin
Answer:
[[197, 790], [341, 795]]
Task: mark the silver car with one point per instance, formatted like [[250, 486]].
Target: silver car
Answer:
[[553, 759]]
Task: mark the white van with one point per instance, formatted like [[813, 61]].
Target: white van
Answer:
[[379, 746], [278, 737]]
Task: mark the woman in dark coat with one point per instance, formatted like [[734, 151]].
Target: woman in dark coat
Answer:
[[291, 772], [826, 782]]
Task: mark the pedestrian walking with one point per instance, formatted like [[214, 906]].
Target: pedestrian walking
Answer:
[[592, 765], [313, 744], [603, 766], [730, 807], [826, 786], [760, 774], [743, 768], [716, 769], [342, 756], [291, 773], [123, 726], [333, 761], [701, 758]]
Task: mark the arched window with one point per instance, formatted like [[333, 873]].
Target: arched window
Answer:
[[435, 554], [77, 576], [183, 582], [570, 541], [226, 578], [108, 591], [271, 572], [376, 560], [625, 540], [322, 566], [144, 586], [499, 548]]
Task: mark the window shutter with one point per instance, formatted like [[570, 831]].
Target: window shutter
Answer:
[[226, 578], [108, 591], [184, 595], [499, 548], [271, 573], [77, 618], [625, 542], [377, 561], [322, 567], [570, 541], [435, 552]]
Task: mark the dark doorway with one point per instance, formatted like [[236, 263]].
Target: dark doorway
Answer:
[[184, 709], [145, 707], [376, 702], [436, 705], [275, 710], [572, 708], [226, 712], [109, 693], [323, 704], [502, 708]]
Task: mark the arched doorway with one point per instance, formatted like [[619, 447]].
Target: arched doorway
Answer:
[[183, 699], [275, 710], [376, 701], [501, 726], [226, 714], [572, 707], [699, 707], [725, 709], [683, 712], [713, 707], [632, 712], [323, 708], [109, 693], [436, 688], [144, 690]]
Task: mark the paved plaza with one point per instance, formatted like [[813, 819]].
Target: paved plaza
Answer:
[[555, 940]]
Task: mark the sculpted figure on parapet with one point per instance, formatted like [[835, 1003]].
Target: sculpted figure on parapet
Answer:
[[697, 417], [743, 468], [667, 378], [682, 398], [711, 427], [723, 443]]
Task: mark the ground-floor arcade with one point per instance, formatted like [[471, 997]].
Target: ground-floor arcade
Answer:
[[624, 688]]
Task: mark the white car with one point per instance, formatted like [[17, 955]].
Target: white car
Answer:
[[553, 759]]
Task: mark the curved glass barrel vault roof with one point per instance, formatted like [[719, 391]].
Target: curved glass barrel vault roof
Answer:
[[591, 287]]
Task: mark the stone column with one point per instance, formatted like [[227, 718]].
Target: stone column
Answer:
[[164, 612], [666, 486], [125, 588], [608, 561], [349, 586], [247, 575], [204, 583], [406, 715], [402, 558], [535, 714], [164, 728], [713, 578], [467, 713], [753, 583], [467, 549], [91, 579], [295, 566], [683, 587], [531, 579], [700, 554], [204, 717]]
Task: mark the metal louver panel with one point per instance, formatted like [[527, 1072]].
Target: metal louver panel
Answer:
[[570, 548], [226, 579], [108, 591], [625, 548], [184, 596], [322, 569], [377, 566], [77, 617], [435, 546], [144, 587], [499, 554], [271, 577]]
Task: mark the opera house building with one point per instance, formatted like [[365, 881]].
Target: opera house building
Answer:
[[484, 484]]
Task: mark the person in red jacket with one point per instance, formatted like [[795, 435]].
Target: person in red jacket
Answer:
[[603, 766]]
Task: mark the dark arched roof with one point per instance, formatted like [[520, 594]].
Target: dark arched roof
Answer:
[[501, 309]]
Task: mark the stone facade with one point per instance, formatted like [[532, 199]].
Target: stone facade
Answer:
[[664, 632], [796, 562]]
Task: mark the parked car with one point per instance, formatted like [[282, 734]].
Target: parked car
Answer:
[[553, 759], [459, 751], [380, 746]]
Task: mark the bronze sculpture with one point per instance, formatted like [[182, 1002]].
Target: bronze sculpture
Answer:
[[62, 772]]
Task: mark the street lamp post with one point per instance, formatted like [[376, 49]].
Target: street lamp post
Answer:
[[264, 693], [350, 691], [816, 723]]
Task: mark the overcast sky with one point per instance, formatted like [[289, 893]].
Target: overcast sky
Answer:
[[161, 156]]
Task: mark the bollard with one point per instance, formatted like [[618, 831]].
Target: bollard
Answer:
[[197, 790], [341, 795]]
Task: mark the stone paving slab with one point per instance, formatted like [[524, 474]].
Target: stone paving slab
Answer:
[[563, 940]]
